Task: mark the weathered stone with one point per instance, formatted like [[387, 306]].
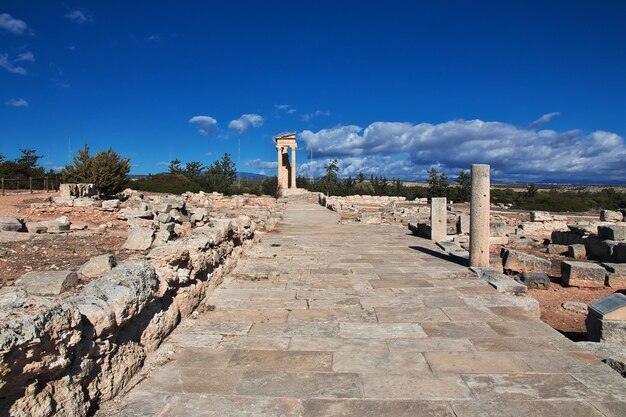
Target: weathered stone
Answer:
[[164, 217], [87, 202], [111, 204], [178, 216], [575, 306], [53, 226], [613, 231], [517, 261], [63, 201], [463, 224], [10, 224], [76, 227], [77, 190], [131, 213], [97, 266], [372, 217], [47, 282], [577, 251], [566, 238], [535, 280], [499, 229], [140, 236], [599, 249], [554, 249], [161, 207], [505, 284], [582, 274], [540, 216], [36, 227], [199, 215], [611, 216], [438, 219], [616, 276]]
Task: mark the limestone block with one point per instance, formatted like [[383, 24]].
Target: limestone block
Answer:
[[139, 238], [584, 228], [463, 224], [575, 306], [535, 280], [540, 216], [97, 266], [619, 252], [135, 213], [554, 249], [517, 261], [111, 204], [178, 216], [599, 249], [613, 231], [53, 226], [534, 228], [577, 251], [87, 202], [47, 282], [370, 217], [161, 207], [616, 276], [498, 240], [611, 216], [505, 284], [199, 215], [582, 274], [36, 227], [499, 228], [126, 289], [75, 227], [40, 341], [566, 238], [177, 203], [10, 224], [100, 316], [63, 201], [164, 217]]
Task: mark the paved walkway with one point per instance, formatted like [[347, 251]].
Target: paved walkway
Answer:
[[324, 319]]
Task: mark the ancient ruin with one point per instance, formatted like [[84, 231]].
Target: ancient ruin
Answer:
[[287, 169]]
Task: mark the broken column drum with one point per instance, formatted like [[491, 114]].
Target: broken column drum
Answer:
[[286, 169], [479, 216]]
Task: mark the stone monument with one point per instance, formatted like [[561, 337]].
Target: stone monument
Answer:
[[286, 169]]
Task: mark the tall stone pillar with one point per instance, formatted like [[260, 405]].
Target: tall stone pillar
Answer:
[[279, 175], [479, 216], [293, 167], [438, 219]]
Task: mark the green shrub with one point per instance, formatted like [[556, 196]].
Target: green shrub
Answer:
[[106, 170]]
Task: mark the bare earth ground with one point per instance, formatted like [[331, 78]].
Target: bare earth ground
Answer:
[[56, 252]]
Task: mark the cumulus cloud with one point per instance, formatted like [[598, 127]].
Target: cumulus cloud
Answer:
[[245, 122], [13, 25], [17, 102], [79, 16], [512, 152], [285, 108], [205, 124], [13, 65], [543, 119], [257, 163], [317, 113]]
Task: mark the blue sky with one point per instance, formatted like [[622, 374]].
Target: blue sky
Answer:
[[536, 89]]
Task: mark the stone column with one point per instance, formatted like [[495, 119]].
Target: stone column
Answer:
[[293, 167], [279, 176], [438, 219], [479, 216]]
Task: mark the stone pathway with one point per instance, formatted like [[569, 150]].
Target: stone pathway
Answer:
[[322, 319]]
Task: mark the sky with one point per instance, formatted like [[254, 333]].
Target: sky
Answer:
[[536, 89]]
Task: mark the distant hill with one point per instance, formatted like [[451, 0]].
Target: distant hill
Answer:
[[250, 176]]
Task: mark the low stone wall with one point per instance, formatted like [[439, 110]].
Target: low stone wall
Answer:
[[63, 356]]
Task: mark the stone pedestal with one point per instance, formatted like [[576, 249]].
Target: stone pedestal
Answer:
[[479, 220], [438, 218]]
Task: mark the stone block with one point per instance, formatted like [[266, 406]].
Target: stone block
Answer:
[[111, 204], [97, 266], [63, 201], [540, 216], [370, 217], [535, 280], [616, 276], [463, 224], [499, 229], [36, 227], [582, 274], [135, 213], [505, 284], [164, 217], [178, 216], [87, 202], [575, 306], [438, 218], [606, 320], [48, 283], [517, 261], [619, 253], [584, 227], [599, 249], [613, 231], [54, 226], [535, 228], [498, 240], [577, 251], [566, 238], [140, 236], [611, 216], [554, 249], [10, 224]]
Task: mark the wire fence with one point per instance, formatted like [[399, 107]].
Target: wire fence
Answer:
[[29, 184]]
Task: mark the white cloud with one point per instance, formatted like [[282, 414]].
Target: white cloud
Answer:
[[544, 119], [205, 124], [17, 102], [512, 152], [163, 164], [245, 122], [257, 163], [153, 38], [11, 64], [285, 108], [317, 113], [13, 25], [79, 16]]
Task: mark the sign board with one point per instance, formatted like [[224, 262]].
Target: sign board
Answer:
[[612, 307]]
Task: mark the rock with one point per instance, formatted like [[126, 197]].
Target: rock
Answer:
[[499, 229], [554, 249], [97, 266], [10, 224], [582, 274], [178, 216], [370, 217], [498, 240], [566, 238], [76, 227], [77, 190], [199, 215], [535, 280], [63, 220], [140, 235], [611, 216], [613, 231], [585, 228], [164, 217], [599, 249], [135, 213], [612, 354], [111, 204], [616, 276], [575, 306], [517, 261], [53, 226], [619, 253], [63, 201], [540, 216], [87, 202], [161, 208], [15, 236], [36, 227], [47, 282], [577, 251], [463, 224], [504, 284]]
